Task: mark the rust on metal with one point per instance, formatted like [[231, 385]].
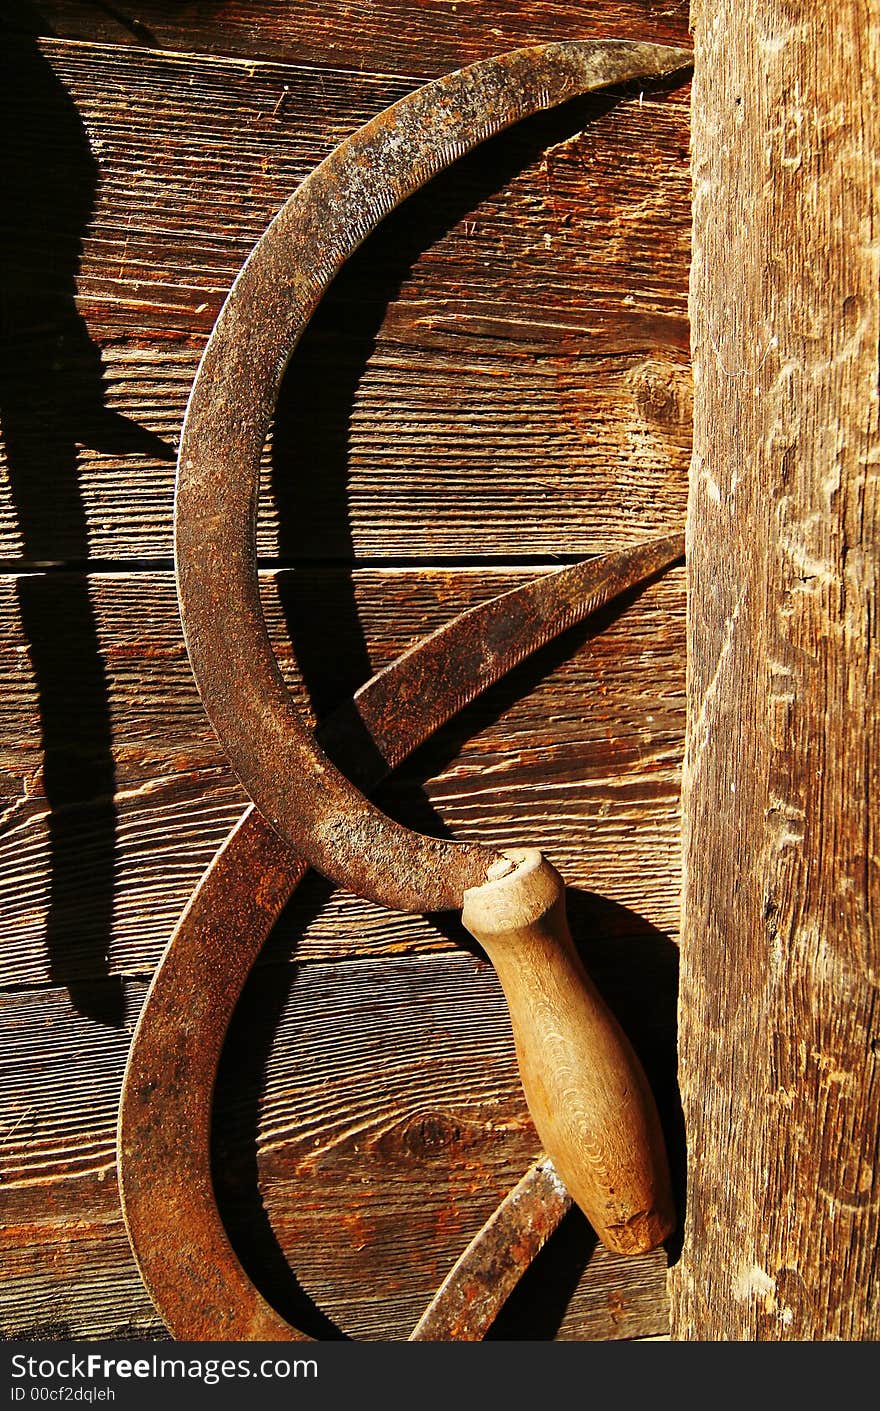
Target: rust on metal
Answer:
[[187, 1264], [320, 815], [432, 681], [182, 1249], [186, 1261], [471, 1296], [285, 771]]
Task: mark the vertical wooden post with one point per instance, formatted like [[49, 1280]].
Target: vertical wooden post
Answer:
[[780, 1019]]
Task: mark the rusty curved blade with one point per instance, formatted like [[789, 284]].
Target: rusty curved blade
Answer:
[[183, 1252], [187, 1264], [477, 1286], [307, 798]]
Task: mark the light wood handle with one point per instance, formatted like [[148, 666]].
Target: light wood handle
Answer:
[[586, 1090]]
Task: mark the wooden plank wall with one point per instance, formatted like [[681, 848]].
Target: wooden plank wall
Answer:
[[497, 383], [780, 961]]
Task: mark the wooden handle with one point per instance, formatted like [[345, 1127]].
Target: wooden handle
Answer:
[[587, 1093]]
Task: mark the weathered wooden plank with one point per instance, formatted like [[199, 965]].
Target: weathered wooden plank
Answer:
[[780, 967], [423, 1117], [116, 793], [391, 35], [512, 344], [553, 464], [503, 372]]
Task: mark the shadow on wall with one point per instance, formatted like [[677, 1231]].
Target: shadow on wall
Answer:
[[313, 429], [310, 479], [616, 945], [51, 403]]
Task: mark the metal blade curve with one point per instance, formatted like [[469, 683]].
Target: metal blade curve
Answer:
[[164, 1160], [278, 760]]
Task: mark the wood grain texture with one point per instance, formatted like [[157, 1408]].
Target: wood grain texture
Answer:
[[512, 343], [501, 375], [366, 1164], [779, 1013], [426, 38], [93, 885], [117, 794]]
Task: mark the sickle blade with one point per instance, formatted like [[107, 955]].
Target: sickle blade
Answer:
[[479, 1284], [163, 1144], [443, 672], [281, 765], [183, 1252]]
